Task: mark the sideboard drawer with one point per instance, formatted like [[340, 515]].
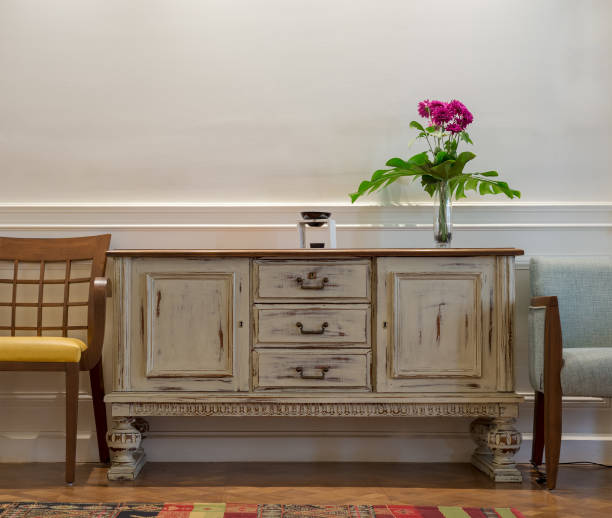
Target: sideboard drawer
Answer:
[[312, 280], [278, 369], [308, 324]]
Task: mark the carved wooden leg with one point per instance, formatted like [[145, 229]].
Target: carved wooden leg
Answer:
[[498, 441], [124, 439]]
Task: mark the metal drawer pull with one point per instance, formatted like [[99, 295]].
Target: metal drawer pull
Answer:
[[300, 281], [303, 331], [312, 376]]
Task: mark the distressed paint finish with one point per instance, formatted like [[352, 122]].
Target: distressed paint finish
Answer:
[[498, 441], [504, 323], [435, 325], [320, 325], [188, 325], [124, 442], [322, 370], [311, 280], [204, 334]]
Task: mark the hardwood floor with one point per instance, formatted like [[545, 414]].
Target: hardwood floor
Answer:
[[583, 491]]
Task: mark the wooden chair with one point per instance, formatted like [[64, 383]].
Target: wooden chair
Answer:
[[52, 312], [570, 344]]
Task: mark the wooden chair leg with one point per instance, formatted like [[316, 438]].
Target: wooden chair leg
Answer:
[[97, 393], [72, 407], [552, 433], [537, 446]]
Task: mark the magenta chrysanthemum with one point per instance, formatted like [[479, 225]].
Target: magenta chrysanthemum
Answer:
[[454, 127], [462, 117], [424, 108], [452, 116], [440, 115]]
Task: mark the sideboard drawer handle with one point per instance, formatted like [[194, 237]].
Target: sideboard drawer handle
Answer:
[[303, 331], [312, 376], [320, 286]]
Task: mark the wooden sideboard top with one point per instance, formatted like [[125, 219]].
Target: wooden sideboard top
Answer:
[[314, 253]]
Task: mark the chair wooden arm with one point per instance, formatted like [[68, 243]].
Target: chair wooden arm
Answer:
[[553, 340], [544, 301], [553, 393], [97, 319]]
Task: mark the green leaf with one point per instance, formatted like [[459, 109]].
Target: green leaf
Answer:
[[489, 173], [459, 164], [465, 137], [397, 162], [442, 170], [419, 159], [460, 190], [485, 188], [379, 173], [417, 125], [441, 156], [471, 184], [430, 188], [431, 129], [363, 186]]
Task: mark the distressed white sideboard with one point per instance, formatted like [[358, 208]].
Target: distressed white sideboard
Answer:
[[361, 332]]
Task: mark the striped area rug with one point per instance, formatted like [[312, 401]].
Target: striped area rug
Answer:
[[202, 510]]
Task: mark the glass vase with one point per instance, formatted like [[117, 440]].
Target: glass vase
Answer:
[[443, 225]]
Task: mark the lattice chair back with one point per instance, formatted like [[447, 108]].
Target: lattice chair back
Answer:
[[46, 287]]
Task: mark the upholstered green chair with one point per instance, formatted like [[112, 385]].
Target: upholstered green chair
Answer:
[[570, 343]]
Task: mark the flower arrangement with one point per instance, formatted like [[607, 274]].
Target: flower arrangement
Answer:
[[439, 168]]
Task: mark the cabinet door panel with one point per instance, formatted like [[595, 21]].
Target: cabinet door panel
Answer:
[[435, 326], [189, 331], [189, 325]]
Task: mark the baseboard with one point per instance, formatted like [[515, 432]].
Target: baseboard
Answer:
[[227, 446]]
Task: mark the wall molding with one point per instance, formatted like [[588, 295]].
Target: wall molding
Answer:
[[266, 217]]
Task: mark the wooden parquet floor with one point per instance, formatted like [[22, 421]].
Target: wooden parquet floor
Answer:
[[584, 491]]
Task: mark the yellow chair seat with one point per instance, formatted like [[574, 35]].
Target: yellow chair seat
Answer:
[[40, 349]]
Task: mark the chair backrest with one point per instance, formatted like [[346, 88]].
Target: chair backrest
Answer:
[[46, 285], [583, 286]]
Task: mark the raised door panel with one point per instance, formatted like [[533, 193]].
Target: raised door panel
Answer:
[[189, 325], [189, 331], [435, 326]]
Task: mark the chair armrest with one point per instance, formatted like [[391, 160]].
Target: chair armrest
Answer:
[[545, 343], [96, 322], [537, 302], [536, 319]]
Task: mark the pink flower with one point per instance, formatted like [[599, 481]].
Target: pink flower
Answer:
[[454, 128], [424, 108], [441, 115], [461, 115]]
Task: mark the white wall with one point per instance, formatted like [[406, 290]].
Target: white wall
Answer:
[[293, 100], [138, 109]]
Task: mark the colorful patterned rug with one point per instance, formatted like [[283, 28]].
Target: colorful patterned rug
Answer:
[[39, 510]]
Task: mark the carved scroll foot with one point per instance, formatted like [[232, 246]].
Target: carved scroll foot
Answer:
[[124, 439], [498, 440]]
